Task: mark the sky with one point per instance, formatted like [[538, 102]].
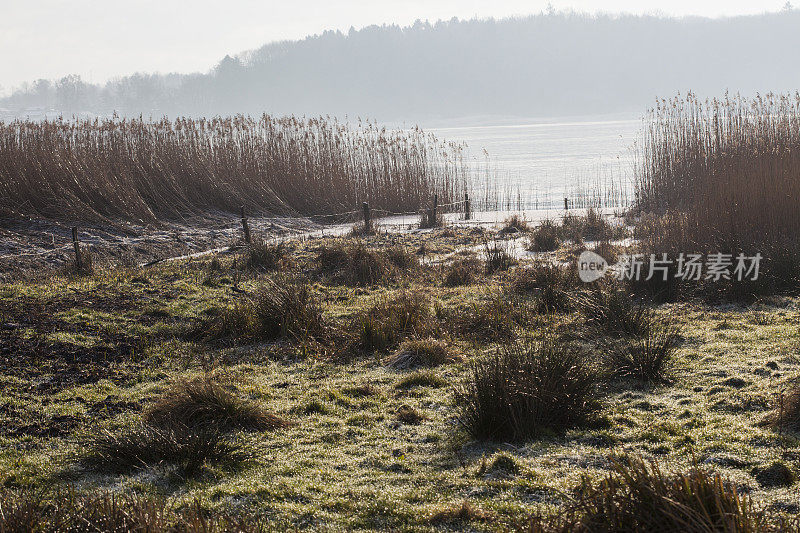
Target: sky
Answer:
[[103, 39]]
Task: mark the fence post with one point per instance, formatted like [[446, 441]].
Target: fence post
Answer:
[[245, 227], [77, 245], [367, 217], [433, 210], [566, 204], [467, 210]]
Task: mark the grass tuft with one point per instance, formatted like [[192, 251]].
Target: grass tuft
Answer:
[[639, 497], [143, 446], [280, 308], [428, 352], [392, 320], [421, 378], [647, 358], [203, 403], [526, 391]]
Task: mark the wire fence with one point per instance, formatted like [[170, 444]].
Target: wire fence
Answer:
[[264, 224]]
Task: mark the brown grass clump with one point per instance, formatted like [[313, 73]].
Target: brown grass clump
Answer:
[[514, 224], [281, 308], [415, 353], [189, 449], [552, 285], [392, 320], [615, 313], [462, 272], [527, 391], [545, 238], [143, 170], [498, 258], [202, 403], [493, 319], [637, 496], [647, 358], [358, 265], [266, 256]]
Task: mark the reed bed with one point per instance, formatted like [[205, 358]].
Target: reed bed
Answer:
[[723, 176], [144, 171]]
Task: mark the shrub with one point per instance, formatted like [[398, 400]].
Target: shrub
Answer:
[[526, 391], [638, 497], [143, 446], [421, 352], [545, 238], [646, 358], [387, 323], [203, 403]]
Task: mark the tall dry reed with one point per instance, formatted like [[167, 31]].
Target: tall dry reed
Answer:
[[724, 175], [142, 170]]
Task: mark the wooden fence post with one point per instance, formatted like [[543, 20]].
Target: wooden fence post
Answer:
[[467, 210], [433, 209], [566, 204], [367, 217], [245, 227], [77, 245]]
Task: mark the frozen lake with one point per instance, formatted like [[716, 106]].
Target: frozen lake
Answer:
[[546, 160]]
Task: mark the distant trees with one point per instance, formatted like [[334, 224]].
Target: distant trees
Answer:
[[545, 65]]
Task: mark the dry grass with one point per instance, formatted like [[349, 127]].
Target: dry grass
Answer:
[[267, 256], [545, 238], [203, 402], [646, 358], [356, 264], [281, 308], [24, 510], [389, 322], [415, 353], [462, 272], [638, 496], [527, 391], [142, 170], [725, 177], [141, 446]]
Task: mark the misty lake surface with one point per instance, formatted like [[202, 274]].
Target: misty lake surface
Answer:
[[544, 161]]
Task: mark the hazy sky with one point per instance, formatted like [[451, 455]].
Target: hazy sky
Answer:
[[100, 39]]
